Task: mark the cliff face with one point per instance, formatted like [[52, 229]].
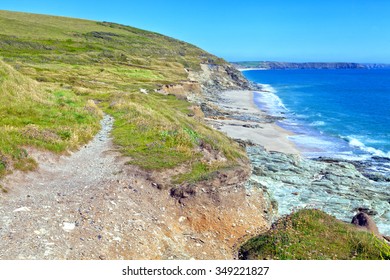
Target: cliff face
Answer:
[[228, 207], [204, 85], [215, 78]]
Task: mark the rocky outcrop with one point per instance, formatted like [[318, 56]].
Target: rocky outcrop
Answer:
[[216, 78], [183, 89], [207, 83], [334, 187], [363, 220]]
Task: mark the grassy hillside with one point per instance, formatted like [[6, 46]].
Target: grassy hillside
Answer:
[[44, 117], [312, 234], [53, 70], [129, 54]]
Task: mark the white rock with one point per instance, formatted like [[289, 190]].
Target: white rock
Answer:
[[68, 227], [182, 219], [22, 209], [48, 252], [40, 231]]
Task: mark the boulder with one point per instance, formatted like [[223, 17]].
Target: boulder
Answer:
[[363, 220]]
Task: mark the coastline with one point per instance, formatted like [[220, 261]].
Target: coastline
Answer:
[[243, 120], [291, 181]]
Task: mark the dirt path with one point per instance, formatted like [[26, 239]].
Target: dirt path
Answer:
[[91, 205], [72, 207]]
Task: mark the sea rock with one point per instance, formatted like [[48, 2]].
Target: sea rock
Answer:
[[377, 177], [210, 111], [330, 185], [364, 220]]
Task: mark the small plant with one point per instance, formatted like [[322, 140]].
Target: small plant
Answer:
[[383, 248], [192, 134], [26, 164], [2, 168], [3, 189], [65, 135], [199, 171]]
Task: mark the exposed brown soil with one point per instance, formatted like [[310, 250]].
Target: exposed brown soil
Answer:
[[91, 205]]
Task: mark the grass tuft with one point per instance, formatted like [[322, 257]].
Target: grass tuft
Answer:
[[312, 234]]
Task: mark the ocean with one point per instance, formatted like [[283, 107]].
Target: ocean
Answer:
[[337, 114]]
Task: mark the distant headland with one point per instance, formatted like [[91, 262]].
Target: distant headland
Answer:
[[246, 65]]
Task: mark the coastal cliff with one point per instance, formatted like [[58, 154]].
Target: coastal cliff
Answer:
[[108, 150], [296, 187], [155, 182], [282, 174]]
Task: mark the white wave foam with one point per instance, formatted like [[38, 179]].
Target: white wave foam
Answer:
[[353, 142], [318, 123], [313, 141], [267, 88], [267, 96]]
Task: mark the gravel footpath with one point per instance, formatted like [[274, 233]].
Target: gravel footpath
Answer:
[[92, 205], [78, 207]]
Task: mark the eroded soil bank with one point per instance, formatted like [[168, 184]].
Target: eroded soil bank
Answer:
[[91, 205]]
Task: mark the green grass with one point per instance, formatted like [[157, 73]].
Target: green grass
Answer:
[[199, 171], [312, 234], [54, 68], [157, 133], [3, 167], [47, 118], [3, 189]]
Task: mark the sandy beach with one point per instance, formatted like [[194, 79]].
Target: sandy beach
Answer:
[[246, 122]]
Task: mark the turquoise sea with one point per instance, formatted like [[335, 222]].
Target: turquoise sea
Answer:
[[337, 114], [341, 113]]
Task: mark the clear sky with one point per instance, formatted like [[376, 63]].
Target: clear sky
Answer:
[[289, 30]]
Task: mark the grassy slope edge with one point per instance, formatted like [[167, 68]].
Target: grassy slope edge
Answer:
[[44, 117], [71, 62], [312, 234]]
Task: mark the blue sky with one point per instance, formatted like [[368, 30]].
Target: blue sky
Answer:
[[290, 30]]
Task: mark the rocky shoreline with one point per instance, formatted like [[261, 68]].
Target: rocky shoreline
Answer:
[[291, 181]]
